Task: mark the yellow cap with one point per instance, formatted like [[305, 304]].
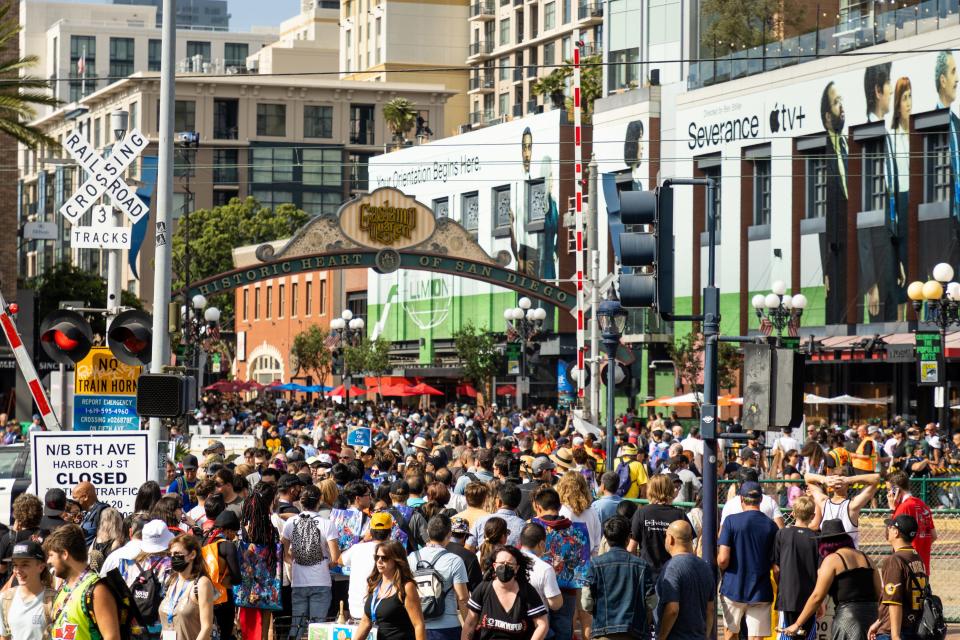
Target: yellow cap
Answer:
[[381, 521]]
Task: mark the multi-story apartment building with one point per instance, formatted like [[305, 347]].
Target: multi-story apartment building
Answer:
[[201, 14], [515, 42], [304, 141], [308, 42]]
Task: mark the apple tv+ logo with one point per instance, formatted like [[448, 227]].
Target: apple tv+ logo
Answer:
[[786, 118]]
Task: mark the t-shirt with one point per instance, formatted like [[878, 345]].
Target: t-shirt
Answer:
[[361, 560], [649, 529], [26, 619], [786, 443], [453, 571], [768, 507], [606, 507], [903, 577], [913, 506], [317, 575], [795, 552], [496, 623], [542, 577], [589, 518], [688, 581], [751, 536]]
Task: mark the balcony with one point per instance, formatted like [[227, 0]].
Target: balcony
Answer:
[[590, 11], [483, 10], [517, 111], [532, 71], [481, 117], [533, 107], [590, 49], [361, 132], [482, 84], [518, 74], [483, 48]]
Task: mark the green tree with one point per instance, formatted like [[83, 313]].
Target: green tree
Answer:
[[312, 354], [214, 233], [400, 116], [20, 94], [64, 281], [554, 84], [687, 356], [734, 25], [477, 351]]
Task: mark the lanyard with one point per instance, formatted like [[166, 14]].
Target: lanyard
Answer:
[[375, 601], [70, 591], [175, 601]]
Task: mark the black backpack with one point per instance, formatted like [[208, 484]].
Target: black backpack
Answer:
[[931, 625], [147, 592]]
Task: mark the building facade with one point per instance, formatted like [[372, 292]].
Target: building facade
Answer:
[[191, 14]]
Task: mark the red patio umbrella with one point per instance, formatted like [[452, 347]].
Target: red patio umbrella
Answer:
[[507, 390], [250, 385], [340, 391], [423, 389], [466, 390], [223, 386], [394, 391]]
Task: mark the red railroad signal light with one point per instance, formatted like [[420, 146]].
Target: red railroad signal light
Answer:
[[130, 337], [66, 336]]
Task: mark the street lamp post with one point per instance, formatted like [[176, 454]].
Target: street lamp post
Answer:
[[612, 318], [526, 323], [350, 331], [193, 333], [942, 297], [779, 309]]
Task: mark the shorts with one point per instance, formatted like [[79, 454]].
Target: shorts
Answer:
[[757, 614]]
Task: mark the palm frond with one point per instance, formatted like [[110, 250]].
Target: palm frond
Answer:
[[12, 65], [25, 134]]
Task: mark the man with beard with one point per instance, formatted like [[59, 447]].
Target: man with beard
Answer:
[[833, 244]]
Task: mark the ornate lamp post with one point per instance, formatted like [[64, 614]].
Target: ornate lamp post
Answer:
[[524, 322], [942, 298], [612, 318], [350, 332], [779, 309]]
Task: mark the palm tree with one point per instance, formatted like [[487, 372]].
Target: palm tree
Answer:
[[554, 85], [400, 115], [20, 94]]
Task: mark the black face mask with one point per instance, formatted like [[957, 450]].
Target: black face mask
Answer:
[[505, 573], [178, 563]]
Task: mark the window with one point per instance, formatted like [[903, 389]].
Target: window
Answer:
[[96, 133], [222, 197], [321, 167], [269, 301], [226, 118], [549, 54], [184, 115], [318, 203], [202, 49], [246, 303], [361, 124], [323, 297], [265, 369], [441, 208], [272, 165], [154, 54], [713, 172], [235, 54], [273, 199], [271, 119], [567, 11], [664, 23], [501, 207], [226, 166], [505, 31], [504, 104], [317, 121], [357, 303], [874, 189], [566, 47], [504, 66], [936, 169], [624, 69], [536, 201], [256, 303], [549, 15], [359, 171], [294, 300], [470, 208], [761, 192], [308, 298], [121, 57], [281, 299], [134, 115], [816, 187], [84, 47]]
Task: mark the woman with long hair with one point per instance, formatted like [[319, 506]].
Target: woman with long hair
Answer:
[[814, 460], [147, 496], [847, 576], [258, 594], [495, 534], [110, 537], [438, 495], [506, 606], [187, 607], [576, 500], [392, 604]]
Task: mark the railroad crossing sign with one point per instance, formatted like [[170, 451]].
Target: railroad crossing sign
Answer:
[[106, 176]]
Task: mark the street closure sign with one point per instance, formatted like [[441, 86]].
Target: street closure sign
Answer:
[[106, 176], [105, 393], [116, 463]]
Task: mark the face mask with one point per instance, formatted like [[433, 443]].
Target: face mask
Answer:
[[505, 573], [178, 563]]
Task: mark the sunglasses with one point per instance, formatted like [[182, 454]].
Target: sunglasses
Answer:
[[383, 558]]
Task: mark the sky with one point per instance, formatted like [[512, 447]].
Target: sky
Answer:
[[247, 13]]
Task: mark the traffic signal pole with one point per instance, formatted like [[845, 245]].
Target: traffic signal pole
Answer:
[[160, 351]]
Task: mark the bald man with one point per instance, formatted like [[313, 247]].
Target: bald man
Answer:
[[86, 495], [686, 583]]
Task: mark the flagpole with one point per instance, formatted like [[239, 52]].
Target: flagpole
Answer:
[[83, 72]]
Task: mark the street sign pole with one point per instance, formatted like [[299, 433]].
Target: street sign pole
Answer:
[[161, 273]]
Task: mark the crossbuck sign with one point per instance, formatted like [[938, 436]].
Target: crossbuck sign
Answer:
[[106, 176]]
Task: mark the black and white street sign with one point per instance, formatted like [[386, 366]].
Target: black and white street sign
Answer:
[[100, 238], [106, 176]]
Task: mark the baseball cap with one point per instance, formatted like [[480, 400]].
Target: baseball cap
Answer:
[[873, 429], [459, 526], [54, 502], [227, 520], [542, 464], [381, 521], [751, 490], [288, 480], [27, 550], [906, 525], [190, 462]]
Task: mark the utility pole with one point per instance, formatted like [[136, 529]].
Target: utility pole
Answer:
[[161, 276], [594, 248]]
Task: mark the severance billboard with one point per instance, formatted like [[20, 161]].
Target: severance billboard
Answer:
[[881, 158], [500, 183]]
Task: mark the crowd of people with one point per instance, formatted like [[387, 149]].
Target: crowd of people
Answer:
[[466, 523]]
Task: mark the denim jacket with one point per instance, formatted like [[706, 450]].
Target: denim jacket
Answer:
[[618, 584]]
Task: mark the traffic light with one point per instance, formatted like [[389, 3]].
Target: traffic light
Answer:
[[130, 337], [646, 279], [66, 336]]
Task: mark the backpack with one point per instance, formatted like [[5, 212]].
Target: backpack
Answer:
[[931, 625], [147, 593], [127, 612], [625, 478], [215, 568], [6, 601], [307, 544], [430, 587]]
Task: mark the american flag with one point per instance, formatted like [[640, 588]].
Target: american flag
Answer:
[[332, 341], [793, 327], [82, 64]]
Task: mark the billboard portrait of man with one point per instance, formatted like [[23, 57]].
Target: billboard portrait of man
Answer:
[[833, 243], [945, 73]]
